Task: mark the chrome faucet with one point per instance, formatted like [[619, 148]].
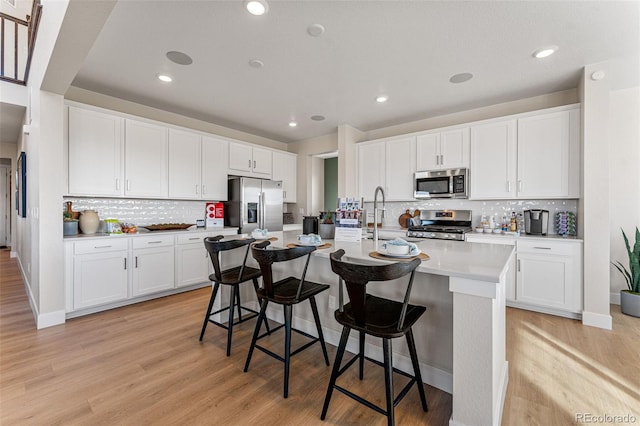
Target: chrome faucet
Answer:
[[375, 212]]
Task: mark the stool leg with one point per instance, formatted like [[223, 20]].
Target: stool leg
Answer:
[[287, 346], [416, 369], [232, 302], [239, 304], [362, 340], [336, 369], [388, 379], [316, 317], [208, 313], [256, 287], [256, 331]]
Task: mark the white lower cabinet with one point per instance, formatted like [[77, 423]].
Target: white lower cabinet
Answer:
[[192, 260], [153, 268], [100, 273], [550, 275], [546, 276]]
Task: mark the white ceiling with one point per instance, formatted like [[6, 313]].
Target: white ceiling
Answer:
[[405, 49]]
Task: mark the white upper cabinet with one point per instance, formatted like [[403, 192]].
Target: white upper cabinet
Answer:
[[95, 153], [548, 155], [529, 157], [493, 160], [443, 150], [400, 168], [184, 164], [389, 164], [247, 160], [370, 168], [215, 157], [146, 160], [285, 170]]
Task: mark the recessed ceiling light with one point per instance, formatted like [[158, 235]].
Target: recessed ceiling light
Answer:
[[179, 58], [256, 7], [544, 52], [382, 98], [461, 78], [256, 63], [317, 117], [315, 30], [164, 77], [293, 124]]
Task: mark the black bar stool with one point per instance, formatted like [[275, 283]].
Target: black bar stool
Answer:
[[232, 277], [286, 292], [376, 316]]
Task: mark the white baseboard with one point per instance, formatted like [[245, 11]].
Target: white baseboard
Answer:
[[614, 298], [597, 320], [42, 320], [13, 254]]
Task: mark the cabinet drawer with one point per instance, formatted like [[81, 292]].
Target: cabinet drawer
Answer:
[[192, 238], [546, 247], [153, 241], [100, 246]]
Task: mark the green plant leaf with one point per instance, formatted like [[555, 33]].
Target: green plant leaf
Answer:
[[624, 272]]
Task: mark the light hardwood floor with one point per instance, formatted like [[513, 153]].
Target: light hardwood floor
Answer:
[[143, 364]]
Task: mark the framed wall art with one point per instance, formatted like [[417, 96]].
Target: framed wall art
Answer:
[[21, 185]]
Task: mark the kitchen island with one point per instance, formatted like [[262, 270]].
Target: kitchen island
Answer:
[[461, 338]]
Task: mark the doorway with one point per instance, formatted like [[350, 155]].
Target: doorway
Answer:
[[330, 184], [5, 202]]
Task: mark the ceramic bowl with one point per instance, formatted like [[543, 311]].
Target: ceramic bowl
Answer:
[[397, 249]]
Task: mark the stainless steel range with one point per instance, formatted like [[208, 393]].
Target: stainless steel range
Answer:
[[442, 225]]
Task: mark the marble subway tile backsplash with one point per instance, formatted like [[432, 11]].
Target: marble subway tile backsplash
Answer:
[[496, 208], [141, 212]]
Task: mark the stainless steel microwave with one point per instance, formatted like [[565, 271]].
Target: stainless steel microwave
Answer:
[[450, 183]]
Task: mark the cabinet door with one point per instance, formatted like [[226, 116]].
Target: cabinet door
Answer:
[[240, 158], [95, 153], [284, 169], [262, 162], [370, 168], [99, 278], [215, 159], [184, 165], [152, 270], [454, 149], [543, 155], [192, 264], [545, 280], [493, 161], [400, 169], [146, 160], [428, 152]]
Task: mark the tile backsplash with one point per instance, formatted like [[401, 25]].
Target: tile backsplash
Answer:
[[496, 208], [141, 212]]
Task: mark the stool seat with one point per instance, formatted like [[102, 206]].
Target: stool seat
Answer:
[[383, 316], [237, 274], [285, 291]]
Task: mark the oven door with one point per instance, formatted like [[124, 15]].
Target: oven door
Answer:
[[429, 186]]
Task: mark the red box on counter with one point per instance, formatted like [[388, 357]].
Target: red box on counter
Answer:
[[214, 215]]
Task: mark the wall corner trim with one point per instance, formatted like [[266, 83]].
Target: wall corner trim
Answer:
[[50, 319], [593, 319]]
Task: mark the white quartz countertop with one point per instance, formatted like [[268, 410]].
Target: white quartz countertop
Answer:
[[554, 237], [475, 261], [227, 230]]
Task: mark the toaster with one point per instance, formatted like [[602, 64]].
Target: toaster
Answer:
[[536, 222]]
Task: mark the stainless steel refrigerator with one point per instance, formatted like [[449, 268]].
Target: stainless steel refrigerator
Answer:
[[254, 204]]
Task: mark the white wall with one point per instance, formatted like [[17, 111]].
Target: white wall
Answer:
[[10, 151], [624, 177]]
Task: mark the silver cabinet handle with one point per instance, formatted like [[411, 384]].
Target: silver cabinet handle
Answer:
[[542, 248], [284, 194], [154, 242], [136, 261], [204, 189], [441, 159], [508, 186], [125, 263], [197, 189], [437, 160], [249, 163], [117, 184], [194, 238], [518, 265], [520, 186], [99, 247], [254, 164], [128, 185]]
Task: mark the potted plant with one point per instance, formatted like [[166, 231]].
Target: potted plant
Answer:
[[630, 299], [70, 225], [326, 227]]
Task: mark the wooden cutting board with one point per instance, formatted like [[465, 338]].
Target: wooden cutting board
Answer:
[[402, 220]]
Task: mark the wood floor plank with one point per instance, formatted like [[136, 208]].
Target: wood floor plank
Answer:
[[143, 364]]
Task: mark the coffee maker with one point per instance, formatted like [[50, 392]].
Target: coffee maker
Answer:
[[536, 221]]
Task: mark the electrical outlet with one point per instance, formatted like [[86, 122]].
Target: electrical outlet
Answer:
[[332, 302]]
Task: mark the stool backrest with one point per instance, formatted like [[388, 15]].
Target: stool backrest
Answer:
[[267, 257], [356, 276], [215, 245]]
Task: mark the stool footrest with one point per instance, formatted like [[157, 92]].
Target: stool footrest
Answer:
[[300, 349], [240, 321]]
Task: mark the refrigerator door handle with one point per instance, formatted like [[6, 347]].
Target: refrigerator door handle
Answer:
[[261, 210]]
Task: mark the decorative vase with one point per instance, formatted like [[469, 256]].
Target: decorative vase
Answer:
[[630, 303], [70, 227], [89, 222], [326, 231]]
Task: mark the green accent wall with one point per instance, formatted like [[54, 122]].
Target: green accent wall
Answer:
[[330, 184]]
